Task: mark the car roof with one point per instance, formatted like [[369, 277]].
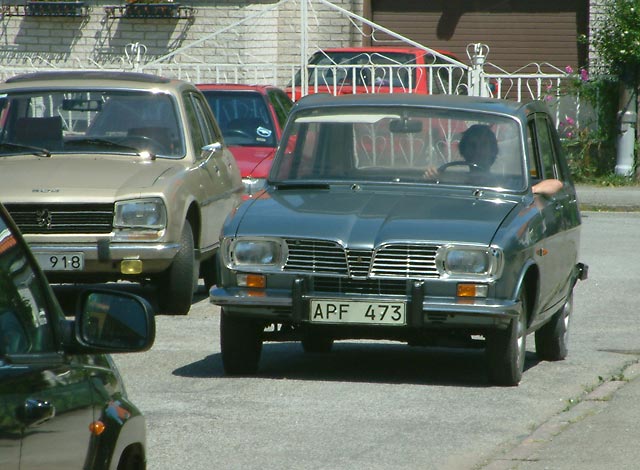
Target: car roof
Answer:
[[92, 78], [466, 103], [234, 87]]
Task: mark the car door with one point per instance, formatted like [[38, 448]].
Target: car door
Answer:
[[217, 170], [46, 403], [558, 247]]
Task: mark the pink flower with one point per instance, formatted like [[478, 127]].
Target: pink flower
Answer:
[[569, 135], [584, 75], [570, 121], [548, 98], [568, 69]]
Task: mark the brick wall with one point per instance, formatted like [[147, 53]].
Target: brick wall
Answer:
[[99, 40]]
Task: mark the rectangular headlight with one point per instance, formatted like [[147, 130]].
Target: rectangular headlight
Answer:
[[254, 254], [148, 214], [461, 261]]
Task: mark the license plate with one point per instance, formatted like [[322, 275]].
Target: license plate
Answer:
[[60, 261], [358, 311]]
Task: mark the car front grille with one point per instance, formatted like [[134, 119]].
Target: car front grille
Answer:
[[62, 218], [401, 261], [338, 285]]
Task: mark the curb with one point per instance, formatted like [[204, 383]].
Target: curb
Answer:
[[591, 404]]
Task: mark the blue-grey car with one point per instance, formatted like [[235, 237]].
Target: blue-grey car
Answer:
[[422, 219]]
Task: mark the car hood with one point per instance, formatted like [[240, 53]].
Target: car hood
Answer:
[[369, 218], [253, 161], [26, 179]]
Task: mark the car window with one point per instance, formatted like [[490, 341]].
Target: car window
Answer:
[[543, 158], [24, 325], [243, 117], [91, 121], [282, 105], [395, 144], [202, 132]]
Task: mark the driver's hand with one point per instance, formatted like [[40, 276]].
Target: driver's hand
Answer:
[[431, 172]]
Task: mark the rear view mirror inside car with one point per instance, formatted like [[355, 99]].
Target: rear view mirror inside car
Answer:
[[81, 105], [405, 126]]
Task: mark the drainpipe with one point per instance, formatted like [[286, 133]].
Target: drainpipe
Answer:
[[627, 117]]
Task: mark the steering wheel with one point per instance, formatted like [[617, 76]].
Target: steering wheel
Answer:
[[238, 133], [447, 165]]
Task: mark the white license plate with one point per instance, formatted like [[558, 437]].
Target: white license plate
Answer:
[[60, 261], [358, 311]]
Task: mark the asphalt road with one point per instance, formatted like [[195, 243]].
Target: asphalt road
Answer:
[[378, 405]]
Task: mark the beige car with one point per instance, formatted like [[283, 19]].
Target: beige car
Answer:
[[116, 176]]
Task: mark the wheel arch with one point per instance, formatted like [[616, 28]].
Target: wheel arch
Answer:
[[195, 220], [530, 281]]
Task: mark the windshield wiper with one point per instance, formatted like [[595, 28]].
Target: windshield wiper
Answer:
[[103, 143], [39, 151], [301, 185]]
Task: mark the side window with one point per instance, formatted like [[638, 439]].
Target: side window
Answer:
[[202, 128], [24, 325], [281, 104], [546, 148]]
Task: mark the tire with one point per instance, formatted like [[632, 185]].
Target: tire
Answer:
[[317, 343], [506, 349], [176, 284], [552, 339], [240, 344]]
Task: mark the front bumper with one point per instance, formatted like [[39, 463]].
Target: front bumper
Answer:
[[422, 311], [105, 257]]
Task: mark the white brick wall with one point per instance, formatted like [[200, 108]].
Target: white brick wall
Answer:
[[272, 38]]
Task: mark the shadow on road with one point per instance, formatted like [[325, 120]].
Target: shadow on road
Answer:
[[373, 362]]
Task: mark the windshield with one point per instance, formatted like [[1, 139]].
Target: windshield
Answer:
[[90, 121], [243, 118], [412, 145]]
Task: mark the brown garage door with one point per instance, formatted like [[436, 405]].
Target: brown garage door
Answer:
[[518, 32]]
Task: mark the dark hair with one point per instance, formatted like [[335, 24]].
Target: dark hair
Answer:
[[475, 135]]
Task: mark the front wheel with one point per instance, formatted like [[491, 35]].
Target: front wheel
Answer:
[[240, 344], [553, 337], [506, 349], [176, 285]]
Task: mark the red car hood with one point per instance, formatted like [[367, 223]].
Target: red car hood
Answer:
[[253, 161]]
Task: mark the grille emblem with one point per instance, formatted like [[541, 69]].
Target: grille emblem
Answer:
[[43, 218]]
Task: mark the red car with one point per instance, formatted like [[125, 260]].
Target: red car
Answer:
[[376, 69], [251, 118]]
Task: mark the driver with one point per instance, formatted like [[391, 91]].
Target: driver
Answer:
[[478, 147]]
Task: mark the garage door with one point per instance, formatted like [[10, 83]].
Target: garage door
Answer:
[[518, 32]]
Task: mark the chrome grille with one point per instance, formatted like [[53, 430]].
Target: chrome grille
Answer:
[[62, 218], [316, 256], [405, 261], [359, 262], [338, 285]]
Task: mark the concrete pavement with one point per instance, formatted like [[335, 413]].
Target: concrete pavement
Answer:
[[603, 198], [602, 429]]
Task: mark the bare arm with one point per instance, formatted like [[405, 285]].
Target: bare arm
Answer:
[[547, 187]]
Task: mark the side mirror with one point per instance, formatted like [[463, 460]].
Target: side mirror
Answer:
[[211, 149], [111, 322]]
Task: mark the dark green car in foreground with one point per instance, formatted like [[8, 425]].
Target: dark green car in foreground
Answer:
[[422, 219], [63, 404]]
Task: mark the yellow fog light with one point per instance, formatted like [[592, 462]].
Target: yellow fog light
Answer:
[[472, 290], [131, 266], [252, 280]]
